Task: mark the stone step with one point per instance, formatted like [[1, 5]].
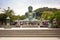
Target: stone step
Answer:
[[30, 32]]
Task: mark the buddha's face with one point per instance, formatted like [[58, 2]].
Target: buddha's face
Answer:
[[30, 9]]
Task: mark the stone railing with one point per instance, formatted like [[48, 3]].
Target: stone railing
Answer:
[[21, 26]]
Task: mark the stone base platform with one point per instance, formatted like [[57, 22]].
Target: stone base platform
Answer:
[[29, 32]]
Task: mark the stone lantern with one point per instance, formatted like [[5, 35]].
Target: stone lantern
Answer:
[[8, 21]]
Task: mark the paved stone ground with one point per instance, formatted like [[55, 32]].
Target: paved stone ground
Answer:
[[29, 38]]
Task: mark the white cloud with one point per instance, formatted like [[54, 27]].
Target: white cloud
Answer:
[[21, 6]]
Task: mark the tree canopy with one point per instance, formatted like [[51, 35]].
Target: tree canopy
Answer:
[[45, 12]]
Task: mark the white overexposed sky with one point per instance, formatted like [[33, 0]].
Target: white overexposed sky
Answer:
[[21, 6]]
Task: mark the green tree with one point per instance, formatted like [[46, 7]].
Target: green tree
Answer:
[[47, 15], [9, 13], [22, 17], [5, 13], [57, 16]]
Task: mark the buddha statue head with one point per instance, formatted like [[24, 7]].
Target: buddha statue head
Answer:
[[30, 8]]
